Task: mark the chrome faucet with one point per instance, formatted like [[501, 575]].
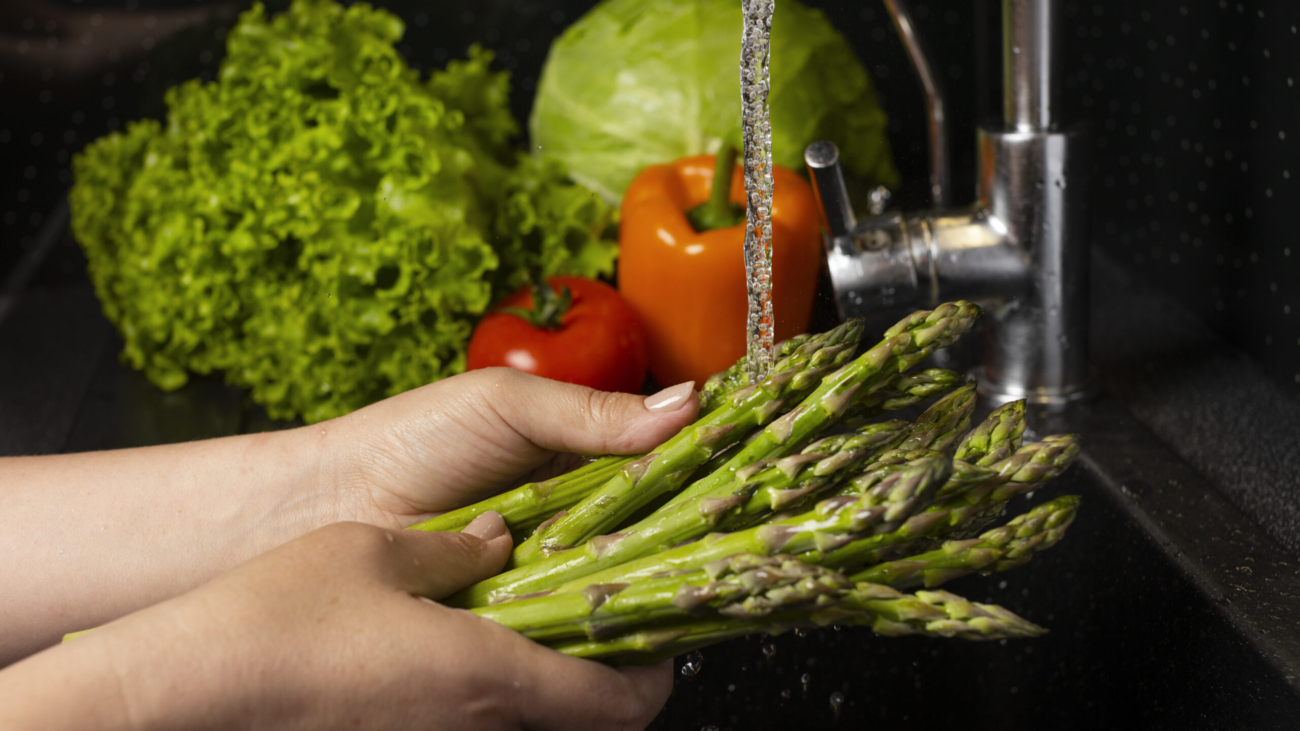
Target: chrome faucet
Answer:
[[1021, 250]]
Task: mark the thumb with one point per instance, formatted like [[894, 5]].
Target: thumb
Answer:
[[563, 417], [437, 565]]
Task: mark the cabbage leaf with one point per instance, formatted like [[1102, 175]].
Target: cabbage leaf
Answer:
[[638, 82]]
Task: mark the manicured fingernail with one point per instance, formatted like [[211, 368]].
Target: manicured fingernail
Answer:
[[488, 526], [672, 398]]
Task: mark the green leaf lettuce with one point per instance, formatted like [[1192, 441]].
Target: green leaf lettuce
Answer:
[[319, 223]]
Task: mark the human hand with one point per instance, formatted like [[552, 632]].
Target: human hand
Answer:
[[456, 441], [328, 631], [99, 535]]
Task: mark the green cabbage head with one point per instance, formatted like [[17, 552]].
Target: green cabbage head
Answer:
[[320, 224], [639, 82]]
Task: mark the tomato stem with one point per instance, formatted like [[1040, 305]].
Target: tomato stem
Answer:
[[719, 211], [548, 307]]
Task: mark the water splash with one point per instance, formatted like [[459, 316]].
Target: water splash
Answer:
[[837, 702], [756, 138], [693, 664]]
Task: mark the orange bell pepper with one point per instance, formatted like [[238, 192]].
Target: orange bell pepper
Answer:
[[688, 286]]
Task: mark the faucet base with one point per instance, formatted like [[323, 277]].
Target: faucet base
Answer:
[[1052, 400]]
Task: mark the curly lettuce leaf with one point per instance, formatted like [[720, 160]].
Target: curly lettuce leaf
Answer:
[[318, 223]]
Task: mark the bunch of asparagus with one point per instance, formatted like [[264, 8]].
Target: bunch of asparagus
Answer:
[[789, 503]]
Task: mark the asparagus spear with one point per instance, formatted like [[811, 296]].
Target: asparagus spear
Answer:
[[749, 493], [996, 438], [742, 586], [1031, 465], [669, 465], [743, 593], [723, 383], [905, 344], [902, 391], [934, 613], [1000, 549], [832, 522], [527, 506], [935, 430], [899, 392]]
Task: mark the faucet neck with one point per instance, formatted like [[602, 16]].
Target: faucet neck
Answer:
[[1030, 64]]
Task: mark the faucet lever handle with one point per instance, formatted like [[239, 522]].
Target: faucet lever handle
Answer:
[[823, 159]]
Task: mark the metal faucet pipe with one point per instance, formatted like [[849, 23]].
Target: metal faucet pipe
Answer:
[[1030, 64], [935, 101], [1021, 249]]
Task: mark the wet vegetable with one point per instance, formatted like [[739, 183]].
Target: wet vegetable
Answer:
[[568, 329], [688, 286]]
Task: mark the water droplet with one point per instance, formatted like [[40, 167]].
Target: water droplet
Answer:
[[805, 680], [801, 632], [694, 663], [785, 693], [769, 651], [837, 702]]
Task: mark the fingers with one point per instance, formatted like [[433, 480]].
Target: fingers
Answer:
[[563, 417], [560, 692], [437, 565]]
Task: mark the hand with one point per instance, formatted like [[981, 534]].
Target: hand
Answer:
[[328, 631], [96, 536], [456, 441]]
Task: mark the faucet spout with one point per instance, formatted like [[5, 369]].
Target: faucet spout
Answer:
[[1021, 249]]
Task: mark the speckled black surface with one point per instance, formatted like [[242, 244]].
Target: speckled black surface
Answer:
[[1212, 405]]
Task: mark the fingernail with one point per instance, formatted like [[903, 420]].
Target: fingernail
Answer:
[[488, 526], [671, 398]]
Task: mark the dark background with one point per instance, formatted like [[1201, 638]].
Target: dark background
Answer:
[[1193, 107]]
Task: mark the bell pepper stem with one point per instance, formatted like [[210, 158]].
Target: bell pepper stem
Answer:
[[719, 211], [723, 169]]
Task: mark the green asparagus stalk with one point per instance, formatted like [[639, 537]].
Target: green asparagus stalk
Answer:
[[997, 438], [723, 383], [833, 522], [751, 591], [935, 431], [1000, 549], [905, 344], [750, 492], [527, 506], [902, 391], [887, 612], [1031, 466], [669, 465], [899, 392], [742, 586]]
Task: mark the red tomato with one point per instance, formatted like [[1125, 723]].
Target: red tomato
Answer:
[[599, 341]]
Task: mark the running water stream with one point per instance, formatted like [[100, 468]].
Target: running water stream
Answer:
[[756, 140]]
